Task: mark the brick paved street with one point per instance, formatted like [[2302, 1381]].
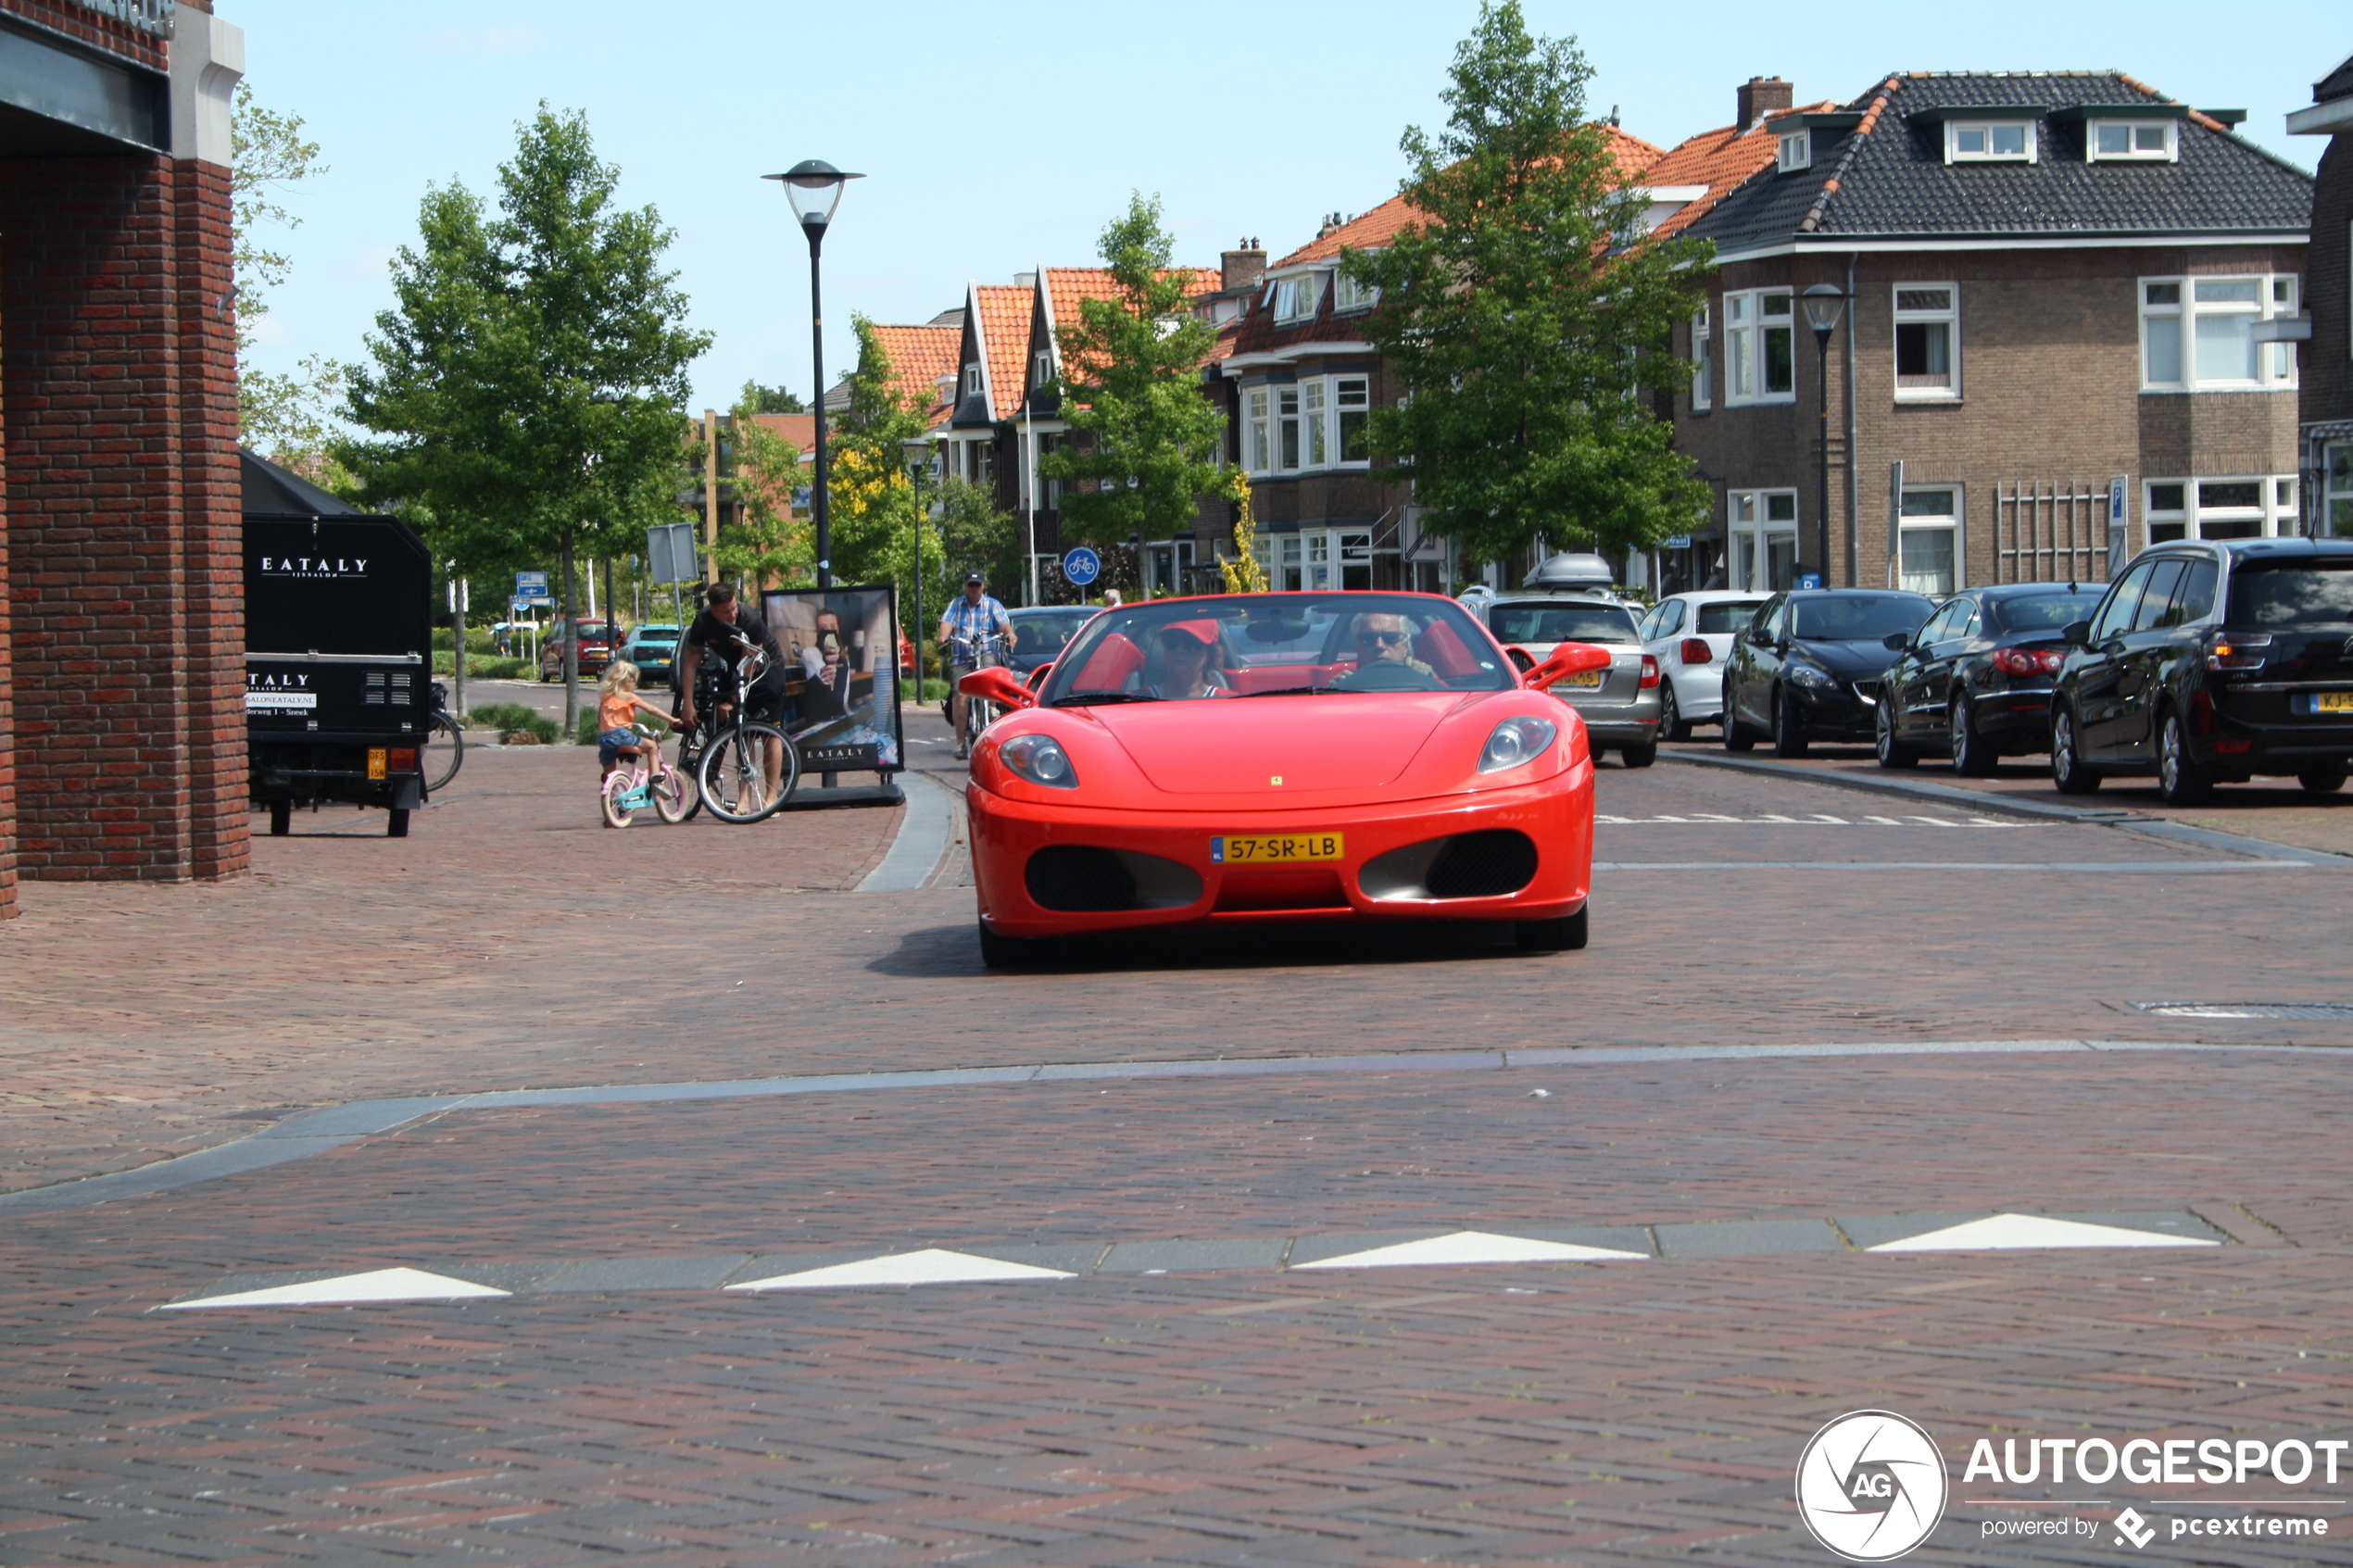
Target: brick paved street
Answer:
[[1642, 1410]]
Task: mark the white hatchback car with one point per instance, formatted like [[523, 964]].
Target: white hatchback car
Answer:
[[1691, 635]]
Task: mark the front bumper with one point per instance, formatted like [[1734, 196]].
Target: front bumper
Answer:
[[1842, 712], [1558, 815]]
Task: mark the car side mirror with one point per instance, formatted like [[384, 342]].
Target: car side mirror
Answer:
[[1570, 659], [2076, 632], [1759, 637], [1897, 642], [997, 685], [1038, 676]]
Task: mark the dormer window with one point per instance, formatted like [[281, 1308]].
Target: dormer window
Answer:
[[1041, 367], [1995, 140], [1797, 151], [1295, 299], [1349, 295], [971, 381], [2126, 140]]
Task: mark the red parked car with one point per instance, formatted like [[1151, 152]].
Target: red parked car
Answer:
[[596, 650]]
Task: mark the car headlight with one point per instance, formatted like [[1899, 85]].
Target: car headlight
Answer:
[[1516, 741], [1040, 759], [1810, 675]]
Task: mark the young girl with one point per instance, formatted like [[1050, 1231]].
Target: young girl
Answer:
[[617, 704]]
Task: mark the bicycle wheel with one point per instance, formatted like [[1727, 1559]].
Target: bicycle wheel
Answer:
[[675, 797], [443, 753], [609, 799], [731, 778]]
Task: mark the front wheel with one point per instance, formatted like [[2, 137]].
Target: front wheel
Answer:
[[1672, 725], [2068, 775], [444, 752], [1012, 952], [1566, 934], [2179, 778], [1788, 739], [674, 798], [732, 777]]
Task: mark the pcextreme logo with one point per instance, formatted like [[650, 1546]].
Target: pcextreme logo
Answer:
[[1870, 1485]]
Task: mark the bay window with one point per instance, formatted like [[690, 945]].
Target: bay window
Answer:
[[2257, 507], [1352, 398], [2198, 335], [1316, 422], [1257, 447]]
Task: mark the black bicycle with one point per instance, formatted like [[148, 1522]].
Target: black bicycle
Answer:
[[725, 753], [443, 751]]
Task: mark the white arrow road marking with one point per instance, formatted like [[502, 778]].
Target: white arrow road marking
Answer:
[[931, 1266], [1470, 1246], [2001, 1232], [377, 1285]]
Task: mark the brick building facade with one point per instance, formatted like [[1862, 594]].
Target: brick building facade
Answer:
[[2327, 354], [2056, 286], [121, 635]]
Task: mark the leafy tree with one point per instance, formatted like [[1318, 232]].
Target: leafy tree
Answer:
[[529, 385], [873, 510], [1524, 315], [770, 399], [974, 533], [289, 417], [766, 542], [1146, 440]]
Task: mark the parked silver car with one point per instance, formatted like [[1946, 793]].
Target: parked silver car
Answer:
[[1620, 705]]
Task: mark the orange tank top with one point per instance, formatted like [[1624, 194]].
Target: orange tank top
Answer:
[[614, 712]]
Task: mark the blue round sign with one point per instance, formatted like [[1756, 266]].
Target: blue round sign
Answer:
[[1082, 566]]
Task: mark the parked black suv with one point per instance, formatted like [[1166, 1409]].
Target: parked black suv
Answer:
[[1975, 682], [1808, 667], [2209, 662]]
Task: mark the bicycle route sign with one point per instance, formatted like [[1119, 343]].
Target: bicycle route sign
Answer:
[[532, 587], [1082, 566]]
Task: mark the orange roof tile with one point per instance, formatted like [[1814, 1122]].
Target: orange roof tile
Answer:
[[1719, 159], [919, 356], [799, 428], [1004, 333], [1067, 285], [1380, 225]]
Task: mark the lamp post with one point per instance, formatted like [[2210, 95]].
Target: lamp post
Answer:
[[1824, 303], [813, 187], [919, 462]]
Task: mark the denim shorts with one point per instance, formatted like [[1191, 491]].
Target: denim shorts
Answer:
[[610, 744]]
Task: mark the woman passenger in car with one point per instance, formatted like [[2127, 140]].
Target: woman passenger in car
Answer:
[[1185, 670]]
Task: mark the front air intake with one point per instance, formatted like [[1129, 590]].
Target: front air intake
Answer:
[[1083, 879], [1482, 865]]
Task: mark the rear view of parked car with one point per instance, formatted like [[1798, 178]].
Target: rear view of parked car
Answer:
[[1691, 635], [653, 648], [2210, 661], [596, 650], [1808, 667], [1620, 704], [1975, 682]]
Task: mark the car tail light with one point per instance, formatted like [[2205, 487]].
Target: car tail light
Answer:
[[404, 758], [1696, 651], [1649, 670], [2028, 661], [2236, 651]]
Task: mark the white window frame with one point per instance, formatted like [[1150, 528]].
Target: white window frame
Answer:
[[1041, 367], [1702, 359], [1954, 523], [1748, 517], [1796, 151], [1348, 295], [1351, 394], [2274, 511], [971, 379], [1748, 332], [1314, 405], [1296, 297], [2168, 153], [2335, 519], [1951, 317], [1258, 441], [2275, 295], [1954, 128]]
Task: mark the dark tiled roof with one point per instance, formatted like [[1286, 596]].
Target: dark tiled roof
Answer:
[[1888, 178], [2336, 84]]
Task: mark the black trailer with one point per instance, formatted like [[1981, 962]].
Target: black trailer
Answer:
[[338, 651]]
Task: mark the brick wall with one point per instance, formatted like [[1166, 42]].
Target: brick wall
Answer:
[[96, 28], [118, 402]]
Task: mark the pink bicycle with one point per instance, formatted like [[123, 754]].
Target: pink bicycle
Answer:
[[645, 780]]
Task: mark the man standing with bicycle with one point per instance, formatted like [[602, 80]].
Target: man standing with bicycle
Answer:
[[968, 620], [733, 634]]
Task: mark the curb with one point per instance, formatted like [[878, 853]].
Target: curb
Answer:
[[1976, 801]]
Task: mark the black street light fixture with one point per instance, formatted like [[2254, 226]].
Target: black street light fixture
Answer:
[[813, 187], [1824, 303]]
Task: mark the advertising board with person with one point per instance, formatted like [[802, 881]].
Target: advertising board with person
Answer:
[[841, 685]]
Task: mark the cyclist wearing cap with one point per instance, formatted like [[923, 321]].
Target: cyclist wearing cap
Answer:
[[968, 620]]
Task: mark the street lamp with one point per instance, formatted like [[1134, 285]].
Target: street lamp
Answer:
[[1824, 303], [813, 187], [919, 462]]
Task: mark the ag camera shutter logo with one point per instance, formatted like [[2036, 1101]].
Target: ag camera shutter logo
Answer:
[[1870, 1485]]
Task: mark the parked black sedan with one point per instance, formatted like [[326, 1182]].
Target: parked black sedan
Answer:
[[2209, 662], [1975, 682], [1808, 667]]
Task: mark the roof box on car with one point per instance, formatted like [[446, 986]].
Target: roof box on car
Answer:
[[1590, 572]]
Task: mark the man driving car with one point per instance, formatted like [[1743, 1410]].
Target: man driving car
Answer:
[[1386, 639]]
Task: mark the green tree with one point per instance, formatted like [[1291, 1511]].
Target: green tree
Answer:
[[974, 533], [529, 384], [765, 542], [289, 417], [1146, 439], [770, 399], [1524, 315], [872, 499]]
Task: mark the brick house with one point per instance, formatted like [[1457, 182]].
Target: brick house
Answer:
[[2326, 433], [122, 729], [2057, 286]]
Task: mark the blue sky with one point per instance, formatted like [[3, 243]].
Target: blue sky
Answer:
[[1002, 136]]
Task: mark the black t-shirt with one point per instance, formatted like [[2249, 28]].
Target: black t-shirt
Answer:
[[710, 632]]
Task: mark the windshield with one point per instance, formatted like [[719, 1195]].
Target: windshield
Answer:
[[1046, 630], [2292, 594], [1728, 615], [1856, 618], [1520, 621], [2043, 612], [1260, 644]]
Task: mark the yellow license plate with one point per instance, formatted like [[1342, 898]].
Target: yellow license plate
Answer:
[[2332, 702], [1276, 848], [376, 763]]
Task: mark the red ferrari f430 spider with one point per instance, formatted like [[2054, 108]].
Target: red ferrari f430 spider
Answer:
[[1281, 757]]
